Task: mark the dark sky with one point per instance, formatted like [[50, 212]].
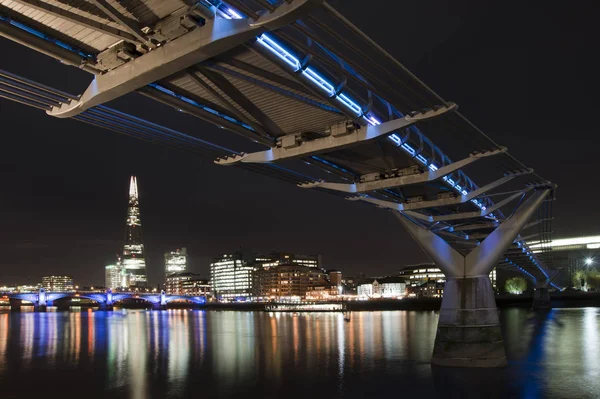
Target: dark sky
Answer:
[[523, 72]]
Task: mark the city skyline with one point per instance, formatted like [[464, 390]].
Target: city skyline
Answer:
[[55, 225]]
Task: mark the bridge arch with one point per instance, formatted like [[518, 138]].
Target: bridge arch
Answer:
[[197, 300]]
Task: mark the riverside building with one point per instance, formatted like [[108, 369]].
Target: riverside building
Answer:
[[186, 283], [57, 283], [176, 261], [231, 278]]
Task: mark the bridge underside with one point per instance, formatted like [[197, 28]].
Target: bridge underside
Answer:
[[323, 107]]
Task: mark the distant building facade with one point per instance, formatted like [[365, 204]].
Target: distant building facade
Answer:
[[335, 277], [176, 261], [113, 276], [231, 277], [186, 283], [283, 258], [57, 283], [571, 255], [382, 287], [282, 282], [427, 280]]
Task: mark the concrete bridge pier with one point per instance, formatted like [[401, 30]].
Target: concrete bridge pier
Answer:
[[108, 301], [15, 304], [541, 296], [468, 333], [162, 303], [41, 304]]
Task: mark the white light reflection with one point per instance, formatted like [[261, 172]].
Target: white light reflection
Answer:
[[179, 351], [592, 349], [4, 337]]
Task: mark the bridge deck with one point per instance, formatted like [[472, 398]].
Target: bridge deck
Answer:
[[284, 75]]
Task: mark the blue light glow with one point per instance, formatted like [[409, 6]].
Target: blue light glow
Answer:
[[319, 81], [408, 149], [47, 38], [350, 104], [421, 159]]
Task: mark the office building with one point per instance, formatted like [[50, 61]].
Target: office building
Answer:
[[231, 277], [133, 261], [186, 283], [287, 282], [113, 276], [57, 283], [176, 261]]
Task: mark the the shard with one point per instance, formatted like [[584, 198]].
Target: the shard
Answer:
[[133, 261]]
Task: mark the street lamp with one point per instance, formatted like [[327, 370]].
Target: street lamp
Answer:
[[589, 261]]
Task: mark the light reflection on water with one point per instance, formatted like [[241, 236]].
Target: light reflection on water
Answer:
[[182, 353]]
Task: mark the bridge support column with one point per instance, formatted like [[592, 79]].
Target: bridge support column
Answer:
[[42, 301], [468, 333], [108, 301], [162, 303], [541, 296]]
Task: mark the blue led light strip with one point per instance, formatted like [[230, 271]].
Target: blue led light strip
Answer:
[[47, 38]]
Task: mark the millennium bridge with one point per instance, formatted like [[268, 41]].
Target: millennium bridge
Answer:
[[322, 106], [105, 300]]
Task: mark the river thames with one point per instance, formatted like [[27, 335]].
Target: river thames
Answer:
[[184, 353]]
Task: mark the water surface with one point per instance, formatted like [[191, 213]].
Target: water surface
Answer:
[[185, 353]]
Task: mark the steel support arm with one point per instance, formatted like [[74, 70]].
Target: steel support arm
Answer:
[[435, 203], [342, 135], [405, 180], [467, 215], [215, 37], [449, 260], [483, 258]]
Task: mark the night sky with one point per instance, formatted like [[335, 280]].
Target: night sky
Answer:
[[523, 73]]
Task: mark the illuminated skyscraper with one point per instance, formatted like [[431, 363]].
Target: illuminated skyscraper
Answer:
[[175, 261], [134, 264]]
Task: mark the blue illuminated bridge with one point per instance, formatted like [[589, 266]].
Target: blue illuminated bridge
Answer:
[[323, 107], [105, 300]]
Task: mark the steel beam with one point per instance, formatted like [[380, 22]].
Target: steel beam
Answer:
[[435, 203], [475, 226], [405, 180], [342, 135], [44, 46], [242, 101], [493, 247], [467, 215], [131, 26], [215, 37], [79, 20]]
